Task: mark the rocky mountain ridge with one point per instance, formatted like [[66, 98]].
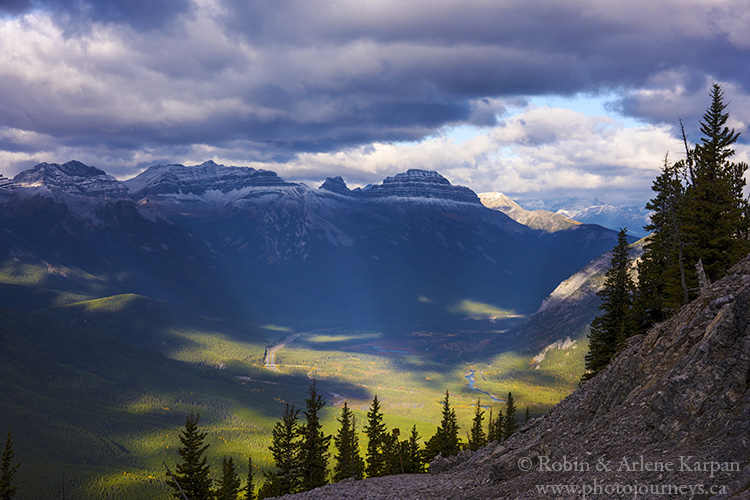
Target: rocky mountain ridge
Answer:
[[411, 249], [536, 219], [412, 184], [175, 180], [72, 177], [669, 417]]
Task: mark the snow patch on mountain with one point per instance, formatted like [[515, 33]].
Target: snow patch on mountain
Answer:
[[178, 180], [595, 211], [423, 187], [72, 177]]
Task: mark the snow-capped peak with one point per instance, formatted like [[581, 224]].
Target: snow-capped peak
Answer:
[[72, 177]]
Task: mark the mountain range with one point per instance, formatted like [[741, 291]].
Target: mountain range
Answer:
[[594, 211], [242, 243]]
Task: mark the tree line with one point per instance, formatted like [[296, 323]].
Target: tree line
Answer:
[[301, 451], [700, 227]]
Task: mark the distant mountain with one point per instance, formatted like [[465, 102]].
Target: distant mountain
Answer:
[[72, 177], [536, 219], [413, 185], [414, 249], [202, 181], [595, 211]]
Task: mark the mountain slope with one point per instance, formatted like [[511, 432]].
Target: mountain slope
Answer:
[[570, 308], [68, 244]]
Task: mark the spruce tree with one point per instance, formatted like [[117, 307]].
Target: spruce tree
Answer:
[[285, 449], [715, 222], [445, 441], [349, 462], [527, 417], [393, 453], [192, 473], [699, 214], [662, 279], [495, 427], [616, 323], [7, 471], [510, 422], [229, 484], [375, 431], [314, 452], [413, 456], [477, 437], [250, 485]]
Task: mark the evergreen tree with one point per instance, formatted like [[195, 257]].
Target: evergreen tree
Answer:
[[376, 440], [477, 437], [393, 453], [349, 462], [662, 280], [285, 449], [527, 417], [7, 471], [413, 456], [192, 473], [250, 486], [446, 440], [616, 323], [229, 484], [715, 226], [314, 452], [510, 422], [699, 214], [495, 427]]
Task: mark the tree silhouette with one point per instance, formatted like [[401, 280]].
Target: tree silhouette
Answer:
[[193, 472], [349, 462]]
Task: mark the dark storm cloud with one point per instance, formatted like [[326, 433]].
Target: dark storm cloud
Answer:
[[279, 77]]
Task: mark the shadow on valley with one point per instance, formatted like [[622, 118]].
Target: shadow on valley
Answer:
[[84, 405]]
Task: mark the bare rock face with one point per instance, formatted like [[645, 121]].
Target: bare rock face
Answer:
[[670, 417]]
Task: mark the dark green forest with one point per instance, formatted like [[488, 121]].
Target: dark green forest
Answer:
[[700, 227]]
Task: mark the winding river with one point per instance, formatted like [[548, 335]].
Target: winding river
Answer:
[[471, 380]]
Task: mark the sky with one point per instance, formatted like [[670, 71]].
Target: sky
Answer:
[[538, 99]]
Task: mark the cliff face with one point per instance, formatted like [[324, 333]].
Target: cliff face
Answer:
[[670, 414]]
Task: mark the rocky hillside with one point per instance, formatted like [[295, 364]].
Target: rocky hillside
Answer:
[[567, 312], [669, 418]]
